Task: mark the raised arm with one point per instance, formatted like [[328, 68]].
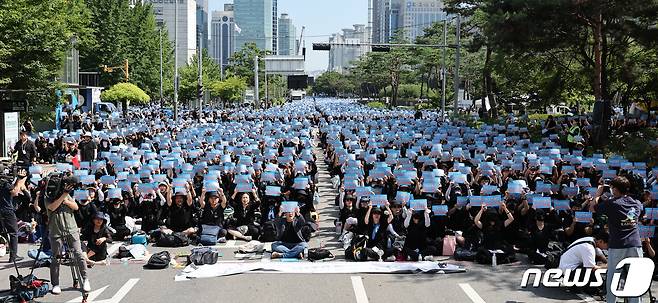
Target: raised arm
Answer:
[[478, 216]]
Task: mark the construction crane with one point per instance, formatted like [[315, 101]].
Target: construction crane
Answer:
[[301, 41]]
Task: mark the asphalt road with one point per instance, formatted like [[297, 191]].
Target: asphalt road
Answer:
[[128, 282]]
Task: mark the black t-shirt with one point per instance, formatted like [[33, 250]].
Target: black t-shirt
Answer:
[[117, 215], [5, 198], [212, 216], [623, 216], [289, 234], [84, 214], [180, 217], [87, 150]]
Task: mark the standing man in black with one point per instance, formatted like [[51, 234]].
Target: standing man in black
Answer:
[[88, 148], [9, 190], [27, 151]]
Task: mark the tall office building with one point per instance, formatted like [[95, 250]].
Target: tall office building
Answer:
[[417, 15], [223, 36], [341, 57], [187, 29], [275, 27], [202, 23], [254, 22], [287, 35], [410, 17]]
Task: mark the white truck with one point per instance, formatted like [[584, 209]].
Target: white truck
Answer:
[[297, 94]]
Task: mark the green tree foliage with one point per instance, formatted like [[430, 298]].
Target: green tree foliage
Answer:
[[231, 89], [129, 33], [34, 37], [126, 93], [242, 62], [333, 84], [189, 76]]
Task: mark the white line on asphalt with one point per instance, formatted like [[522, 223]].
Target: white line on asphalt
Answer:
[[471, 293], [123, 291], [92, 295], [359, 290], [586, 298]]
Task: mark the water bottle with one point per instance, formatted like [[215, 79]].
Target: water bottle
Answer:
[[494, 263]]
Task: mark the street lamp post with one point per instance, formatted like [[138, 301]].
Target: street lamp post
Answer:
[[160, 34], [176, 60], [457, 54], [443, 70]]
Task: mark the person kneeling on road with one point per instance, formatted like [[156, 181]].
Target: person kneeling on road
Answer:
[[290, 242]]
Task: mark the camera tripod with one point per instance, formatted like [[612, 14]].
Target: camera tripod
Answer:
[[67, 257]]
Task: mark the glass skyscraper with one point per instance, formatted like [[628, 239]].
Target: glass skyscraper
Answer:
[[254, 20], [287, 34]]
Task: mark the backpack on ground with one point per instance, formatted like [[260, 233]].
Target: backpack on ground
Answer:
[[209, 234], [158, 260], [269, 232], [139, 238], [176, 239], [356, 251], [203, 256], [29, 287], [317, 254], [555, 252]]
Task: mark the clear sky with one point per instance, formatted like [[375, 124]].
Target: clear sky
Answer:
[[321, 18]]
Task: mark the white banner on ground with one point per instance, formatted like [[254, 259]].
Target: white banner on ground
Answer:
[[229, 268]]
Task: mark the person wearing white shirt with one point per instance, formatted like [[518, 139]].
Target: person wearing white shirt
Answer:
[[583, 252]]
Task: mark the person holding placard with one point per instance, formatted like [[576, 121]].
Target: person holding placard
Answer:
[[86, 209], [290, 241], [623, 216], [150, 208], [213, 203], [415, 244], [376, 229], [180, 210], [245, 225], [492, 236]]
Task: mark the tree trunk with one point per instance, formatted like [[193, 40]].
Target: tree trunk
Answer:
[[604, 63], [488, 88], [422, 84], [598, 64]]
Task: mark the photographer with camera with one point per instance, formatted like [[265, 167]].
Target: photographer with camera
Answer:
[[8, 191], [64, 230]]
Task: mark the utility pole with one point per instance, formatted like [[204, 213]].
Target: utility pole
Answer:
[[458, 34], [443, 69], [256, 100], [267, 93], [200, 64], [176, 60], [161, 98]]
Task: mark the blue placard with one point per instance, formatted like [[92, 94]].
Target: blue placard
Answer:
[[543, 188], [403, 197], [583, 216], [561, 205], [364, 191], [300, 183], [273, 191], [378, 200], [244, 187], [81, 194], [418, 204], [107, 180], [462, 201], [475, 201], [651, 213], [570, 191], [440, 210], [585, 182], [492, 201], [288, 206], [646, 231], [541, 202]]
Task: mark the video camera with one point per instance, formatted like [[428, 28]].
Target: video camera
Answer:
[[56, 182]]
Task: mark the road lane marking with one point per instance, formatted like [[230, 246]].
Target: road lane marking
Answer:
[[359, 290], [92, 295], [471, 293]]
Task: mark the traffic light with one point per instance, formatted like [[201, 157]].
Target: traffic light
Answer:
[[380, 48], [321, 46], [199, 92]]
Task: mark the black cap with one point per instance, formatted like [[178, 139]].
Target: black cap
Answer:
[[376, 210]]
